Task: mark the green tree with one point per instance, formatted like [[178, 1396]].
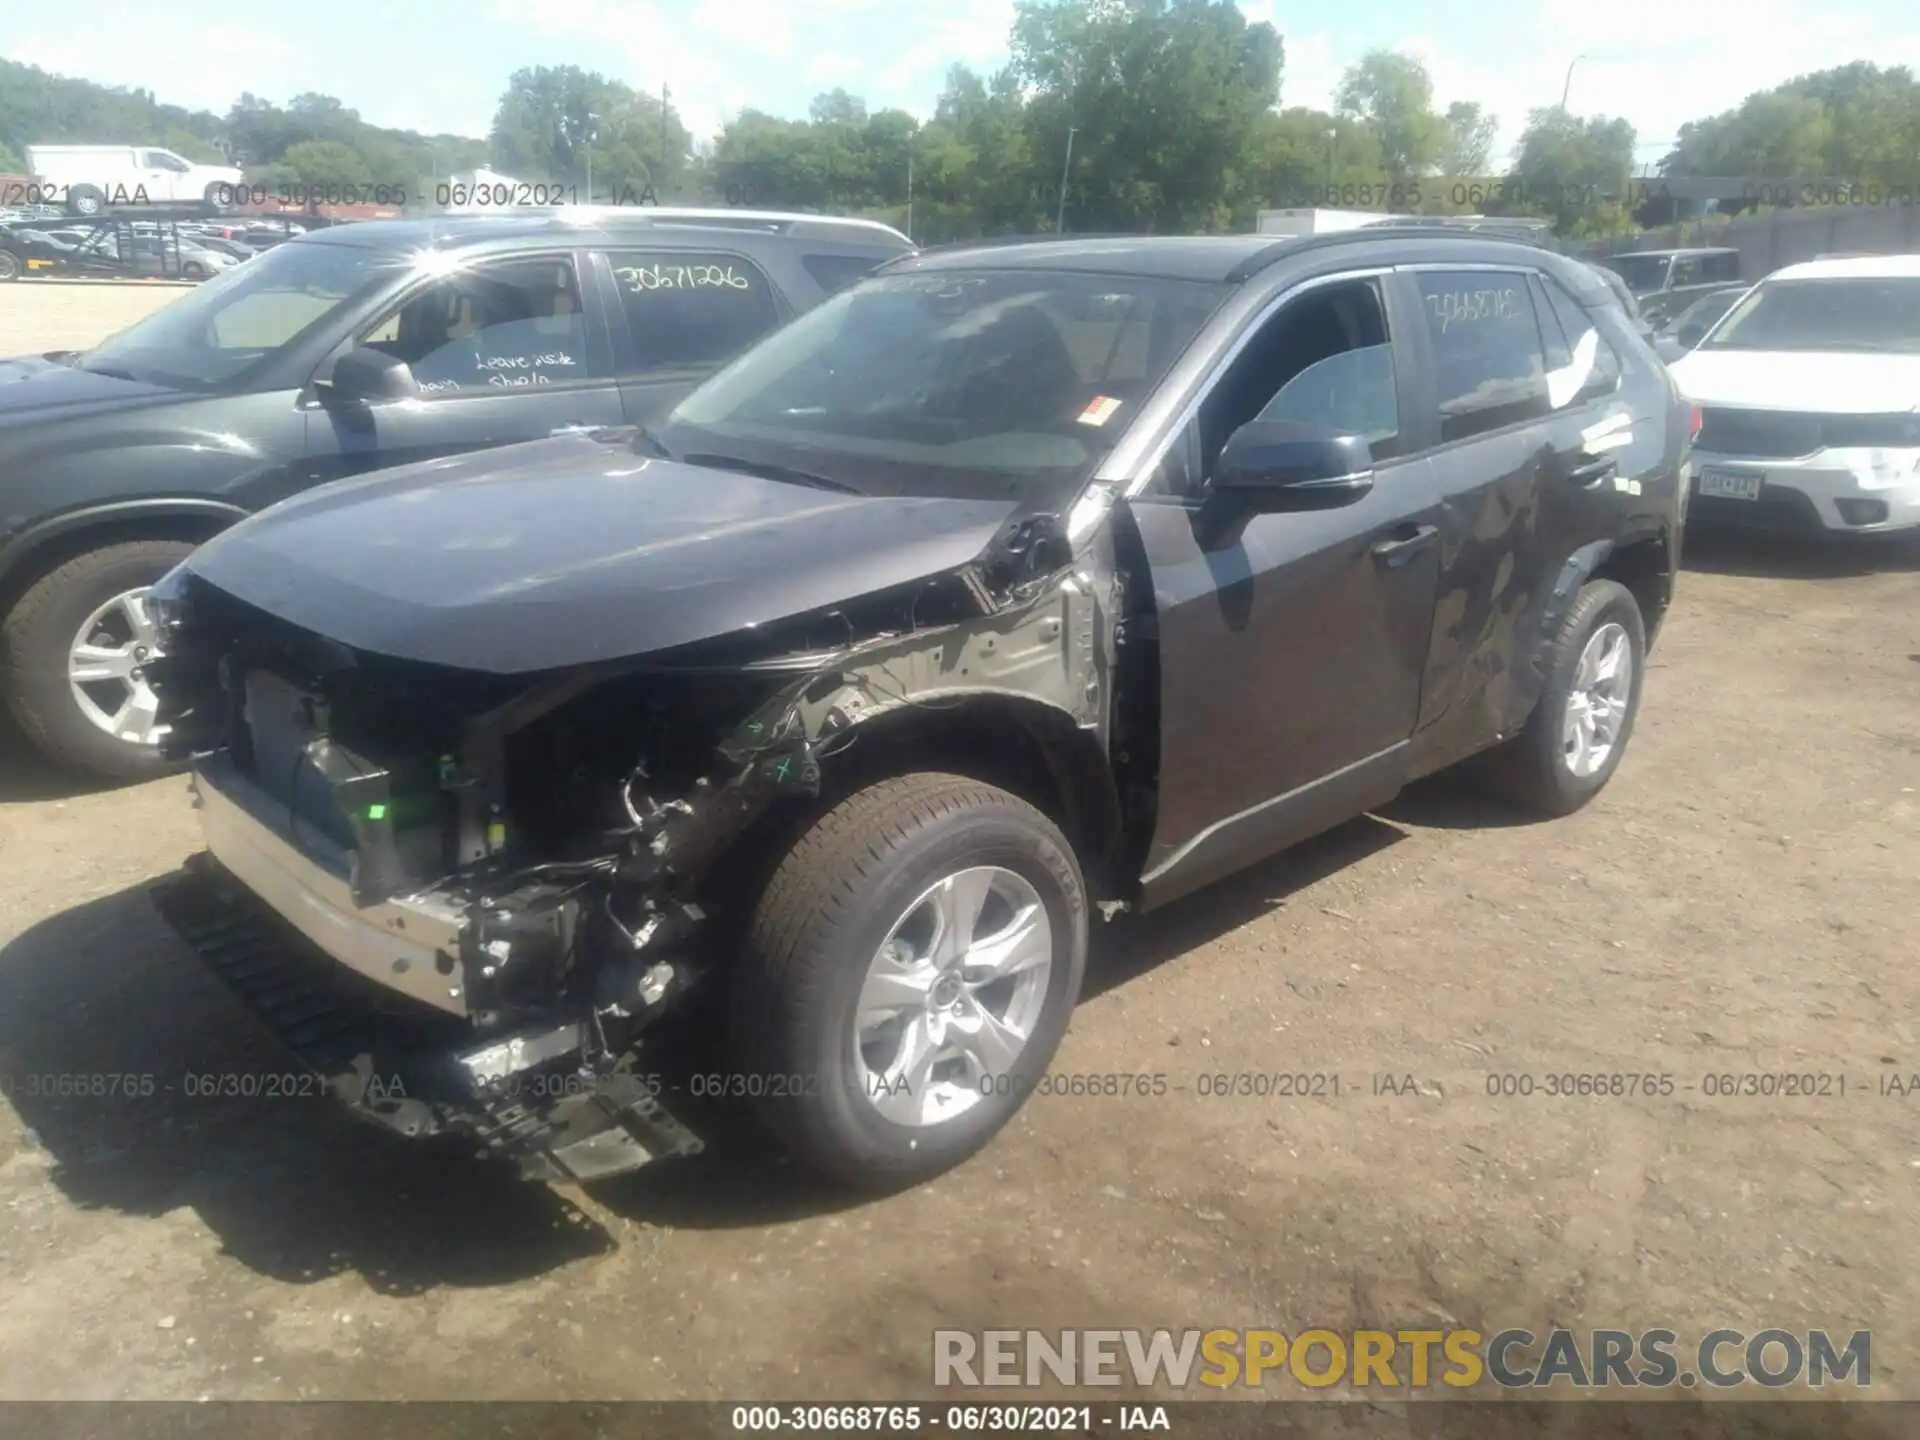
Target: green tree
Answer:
[[1164, 99], [551, 120], [1469, 142], [1393, 95], [1572, 169], [327, 163]]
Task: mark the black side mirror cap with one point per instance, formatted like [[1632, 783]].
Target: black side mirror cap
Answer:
[[370, 377], [1273, 466]]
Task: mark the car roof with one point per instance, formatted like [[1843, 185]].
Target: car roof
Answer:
[[1858, 267], [1220, 259], [688, 226]]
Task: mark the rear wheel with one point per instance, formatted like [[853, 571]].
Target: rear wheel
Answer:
[[909, 972], [1579, 729], [9, 265], [77, 647]]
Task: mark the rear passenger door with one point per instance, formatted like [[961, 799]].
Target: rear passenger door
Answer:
[[677, 316], [1485, 372]]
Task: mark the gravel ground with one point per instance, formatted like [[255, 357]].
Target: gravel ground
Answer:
[[1740, 900]]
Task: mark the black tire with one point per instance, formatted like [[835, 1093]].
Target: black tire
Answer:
[[85, 200], [821, 919], [38, 634], [10, 266], [192, 271], [1531, 770], [218, 198]]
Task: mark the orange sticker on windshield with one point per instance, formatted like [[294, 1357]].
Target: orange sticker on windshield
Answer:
[[1100, 411]]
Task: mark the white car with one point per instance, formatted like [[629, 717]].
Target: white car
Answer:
[[1809, 390], [88, 179]]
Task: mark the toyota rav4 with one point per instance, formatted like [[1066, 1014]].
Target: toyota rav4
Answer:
[[1014, 584]]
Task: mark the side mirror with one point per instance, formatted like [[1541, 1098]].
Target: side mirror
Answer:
[[366, 376], [1272, 466]]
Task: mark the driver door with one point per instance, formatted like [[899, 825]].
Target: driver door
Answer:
[[1291, 646], [503, 352]]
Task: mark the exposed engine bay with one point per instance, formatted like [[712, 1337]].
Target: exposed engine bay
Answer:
[[508, 880]]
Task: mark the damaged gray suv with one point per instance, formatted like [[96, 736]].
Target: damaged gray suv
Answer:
[[1014, 583]]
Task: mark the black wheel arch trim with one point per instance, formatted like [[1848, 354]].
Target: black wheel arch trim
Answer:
[[16, 548]]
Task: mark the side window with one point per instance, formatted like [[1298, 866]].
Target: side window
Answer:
[[1325, 359], [1723, 269], [501, 325], [1685, 272], [836, 272], [690, 310], [1581, 365], [1490, 371]]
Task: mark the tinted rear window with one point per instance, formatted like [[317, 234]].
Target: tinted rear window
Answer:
[[835, 272]]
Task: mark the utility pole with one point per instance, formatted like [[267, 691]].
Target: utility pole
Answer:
[[665, 96], [911, 137], [1567, 89], [1331, 133], [1060, 216]]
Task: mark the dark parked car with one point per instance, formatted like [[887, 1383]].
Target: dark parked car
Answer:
[[1667, 281], [1013, 583], [345, 350]]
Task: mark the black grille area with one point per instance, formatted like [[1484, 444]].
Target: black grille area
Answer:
[[1763, 434], [1790, 434]]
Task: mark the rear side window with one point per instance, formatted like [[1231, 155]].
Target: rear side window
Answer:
[[1490, 370], [691, 310], [1722, 269], [836, 272], [1581, 365]]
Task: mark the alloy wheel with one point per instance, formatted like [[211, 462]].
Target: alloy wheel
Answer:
[[1597, 701], [107, 669], [953, 995]]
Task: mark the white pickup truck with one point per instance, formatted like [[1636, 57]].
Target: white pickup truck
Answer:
[[88, 179]]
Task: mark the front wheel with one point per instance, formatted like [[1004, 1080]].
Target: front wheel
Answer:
[[1579, 729], [908, 974], [77, 647], [86, 200], [9, 265]]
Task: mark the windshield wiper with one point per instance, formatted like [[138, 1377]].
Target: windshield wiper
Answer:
[[765, 471]]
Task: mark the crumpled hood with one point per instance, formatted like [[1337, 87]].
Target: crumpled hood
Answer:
[[32, 387], [570, 551]]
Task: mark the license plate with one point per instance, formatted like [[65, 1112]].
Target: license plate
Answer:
[[1730, 484]]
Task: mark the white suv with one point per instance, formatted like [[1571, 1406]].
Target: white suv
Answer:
[[88, 179], [1810, 396]]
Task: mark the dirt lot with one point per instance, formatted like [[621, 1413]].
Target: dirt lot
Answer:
[[37, 315], [1741, 900]]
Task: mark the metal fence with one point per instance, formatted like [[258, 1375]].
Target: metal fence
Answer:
[[1777, 237]]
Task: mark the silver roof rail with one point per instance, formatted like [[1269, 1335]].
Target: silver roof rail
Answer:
[[790, 222]]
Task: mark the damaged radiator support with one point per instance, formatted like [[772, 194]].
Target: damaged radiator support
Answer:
[[531, 1100]]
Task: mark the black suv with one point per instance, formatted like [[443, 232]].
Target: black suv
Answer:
[[1015, 583], [349, 348]]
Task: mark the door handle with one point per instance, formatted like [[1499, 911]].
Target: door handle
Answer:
[[1592, 472], [1404, 544]]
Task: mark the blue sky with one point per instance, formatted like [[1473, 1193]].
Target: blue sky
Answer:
[[440, 64]]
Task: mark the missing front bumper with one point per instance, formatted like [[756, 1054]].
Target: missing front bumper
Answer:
[[529, 1098]]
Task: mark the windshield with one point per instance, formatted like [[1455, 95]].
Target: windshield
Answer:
[[210, 335], [1825, 315], [1643, 273], [1702, 313], [968, 384]]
